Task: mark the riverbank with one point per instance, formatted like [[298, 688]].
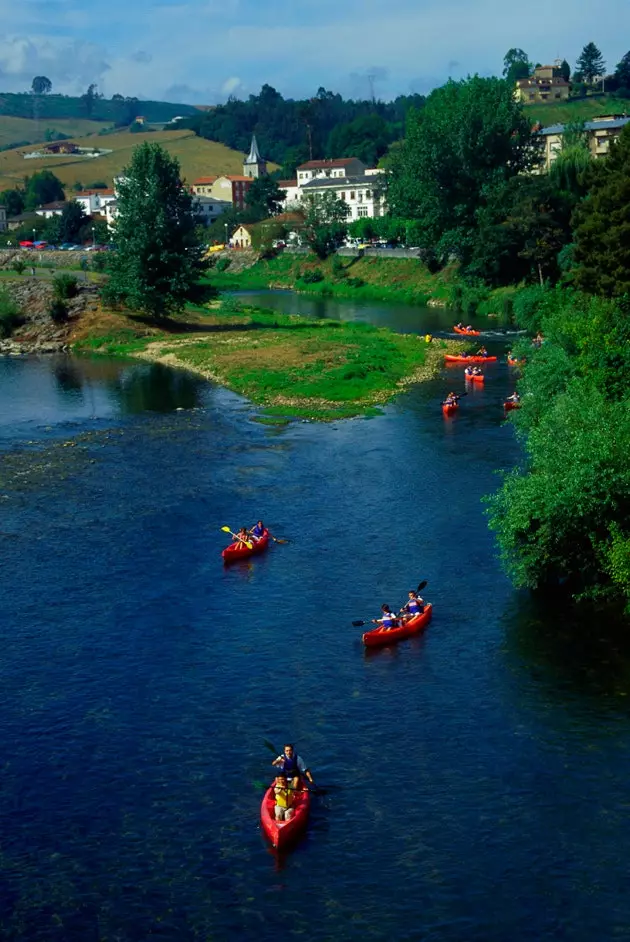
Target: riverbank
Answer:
[[291, 366], [406, 280]]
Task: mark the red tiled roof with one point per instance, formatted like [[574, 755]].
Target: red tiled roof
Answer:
[[323, 164], [95, 192], [238, 179], [283, 184], [201, 180]]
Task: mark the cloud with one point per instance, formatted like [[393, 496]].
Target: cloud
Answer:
[[231, 86], [70, 65], [142, 56]]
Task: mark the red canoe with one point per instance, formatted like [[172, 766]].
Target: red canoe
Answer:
[[379, 637], [508, 406], [283, 833], [513, 362], [467, 333], [234, 551], [475, 378], [450, 408], [450, 358]]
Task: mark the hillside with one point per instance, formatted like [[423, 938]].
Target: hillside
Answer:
[[197, 157], [15, 131], [581, 109], [54, 107]]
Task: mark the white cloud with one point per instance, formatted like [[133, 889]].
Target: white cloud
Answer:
[[231, 86]]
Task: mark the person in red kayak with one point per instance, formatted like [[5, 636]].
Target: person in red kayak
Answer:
[[513, 398], [258, 530], [293, 766], [242, 538], [412, 607], [481, 352], [451, 400], [283, 798], [388, 620]]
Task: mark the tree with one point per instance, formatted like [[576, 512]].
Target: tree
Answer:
[[325, 227], [264, 198], [13, 201], [367, 137], [89, 98], [590, 63], [42, 187], [158, 258], [602, 221], [470, 135], [69, 224], [622, 72], [565, 70], [516, 65], [41, 85]]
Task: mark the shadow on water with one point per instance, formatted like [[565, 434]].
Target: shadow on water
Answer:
[[156, 388]]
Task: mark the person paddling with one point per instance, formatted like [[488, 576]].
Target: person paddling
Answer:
[[283, 799], [482, 352], [242, 537], [452, 399], [388, 620], [293, 766], [412, 607], [258, 530], [514, 397]]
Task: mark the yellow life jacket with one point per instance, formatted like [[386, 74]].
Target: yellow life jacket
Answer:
[[283, 797]]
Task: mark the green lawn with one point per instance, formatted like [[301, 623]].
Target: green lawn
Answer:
[[583, 109]]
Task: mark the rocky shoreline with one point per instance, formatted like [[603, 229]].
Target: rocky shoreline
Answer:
[[38, 334]]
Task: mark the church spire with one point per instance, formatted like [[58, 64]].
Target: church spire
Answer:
[[254, 166]]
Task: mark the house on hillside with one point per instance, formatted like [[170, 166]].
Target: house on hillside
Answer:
[[228, 188], [209, 209], [94, 201], [48, 210], [241, 238], [62, 147], [546, 84], [3, 219], [347, 177], [600, 132]]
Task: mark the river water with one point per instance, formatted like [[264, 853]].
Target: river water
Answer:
[[481, 769]]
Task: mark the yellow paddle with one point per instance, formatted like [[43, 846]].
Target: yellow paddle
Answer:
[[247, 544]]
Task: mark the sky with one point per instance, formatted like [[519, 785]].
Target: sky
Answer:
[[201, 51]]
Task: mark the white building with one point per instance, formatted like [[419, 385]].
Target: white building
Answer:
[[210, 209], [48, 210], [95, 201], [329, 169], [348, 178]]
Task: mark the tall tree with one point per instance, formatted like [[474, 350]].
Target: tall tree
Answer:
[[367, 137], [471, 135], [325, 226], [602, 222], [622, 72], [264, 198], [41, 85], [158, 258], [42, 187], [13, 201], [565, 70], [89, 98], [516, 65], [590, 63]]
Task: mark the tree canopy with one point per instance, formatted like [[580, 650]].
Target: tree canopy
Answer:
[[516, 65], [42, 187], [158, 261], [590, 63], [325, 226], [264, 198], [41, 85]]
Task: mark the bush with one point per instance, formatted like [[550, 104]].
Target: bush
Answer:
[[312, 277], [99, 261], [527, 307], [10, 316], [223, 264], [507, 310], [338, 268], [18, 265], [58, 311], [64, 287], [355, 282]]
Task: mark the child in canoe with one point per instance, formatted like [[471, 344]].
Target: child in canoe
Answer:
[[242, 538], [388, 620], [283, 798]]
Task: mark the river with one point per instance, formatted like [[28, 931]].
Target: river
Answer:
[[481, 769]]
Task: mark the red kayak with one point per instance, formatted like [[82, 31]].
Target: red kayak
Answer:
[[450, 358], [283, 833], [509, 405], [450, 408], [242, 551], [379, 637], [512, 362], [475, 377], [467, 333]]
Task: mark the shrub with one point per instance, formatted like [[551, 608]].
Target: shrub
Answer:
[[312, 277], [99, 261], [527, 307], [10, 316], [223, 264], [507, 309], [18, 265], [58, 311], [338, 268], [356, 282], [64, 287]]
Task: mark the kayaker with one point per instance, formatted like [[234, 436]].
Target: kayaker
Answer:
[[482, 352], [293, 766], [387, 620], [412, 607], [242, 537], [451, 399], [469, 371], [258, 530], [460, 326], [514, 397], [284, 799]]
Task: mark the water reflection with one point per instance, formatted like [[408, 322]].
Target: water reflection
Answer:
[[156, 388]]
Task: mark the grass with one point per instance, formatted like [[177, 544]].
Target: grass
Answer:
[[13, 130], [197, 157], [292, 366], [581, 109]]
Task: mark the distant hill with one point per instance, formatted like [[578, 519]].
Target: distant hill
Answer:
[[197, 158], [17, 131], [54, 107], [579, 109]]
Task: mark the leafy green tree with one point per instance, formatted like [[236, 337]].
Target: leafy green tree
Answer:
[[158, 258], [470, 136], [367, 137], [516, 65], [41, 85], [590, 63], [10, 316], [565, 70], [89, 98], [42, 187], [602, 221], [264, 198], [325, 226], [71, 222], [13, 201]]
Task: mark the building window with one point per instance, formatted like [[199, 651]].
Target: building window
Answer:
[[352, 195], [368, 194], [362, 211], [342, 196]]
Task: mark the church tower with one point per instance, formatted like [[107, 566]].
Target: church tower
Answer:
[[254, 166]]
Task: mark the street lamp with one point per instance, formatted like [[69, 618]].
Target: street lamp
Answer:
[[226, 233], [93, 236]]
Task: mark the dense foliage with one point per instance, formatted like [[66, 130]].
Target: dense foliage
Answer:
[[325, 225], [158, 262]]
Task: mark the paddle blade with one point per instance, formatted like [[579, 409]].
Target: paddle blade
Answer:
[[358, 624], [422, 586], [270, 746], [226, 529], [276, 540]]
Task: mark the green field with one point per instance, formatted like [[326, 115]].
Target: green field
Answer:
[[197, 157], [582, 109], [15, 130], [56, 107]]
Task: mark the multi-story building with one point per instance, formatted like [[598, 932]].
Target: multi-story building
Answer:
[[546, 84], [329, 169], [229, 189], [360, 192], [599, 134]]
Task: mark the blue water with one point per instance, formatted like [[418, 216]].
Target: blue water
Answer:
[[481, 768]]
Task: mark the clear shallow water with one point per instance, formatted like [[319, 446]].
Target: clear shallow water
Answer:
[[482, 767]]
